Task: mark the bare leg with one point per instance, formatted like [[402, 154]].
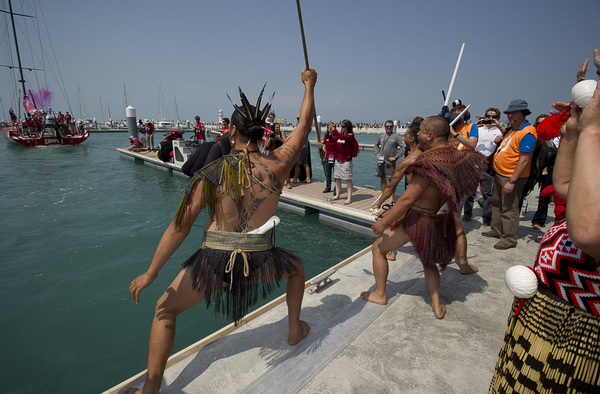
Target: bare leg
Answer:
[[383, 183], [296, 173], [179, 296], [432, 278], [338, 189], [307, 168], [388, 241], [461, 248], [350, 186], [295, 292]]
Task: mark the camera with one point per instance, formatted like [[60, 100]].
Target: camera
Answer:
[[486, 121]]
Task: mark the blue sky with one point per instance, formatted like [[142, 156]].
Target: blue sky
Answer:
[[376, 60]]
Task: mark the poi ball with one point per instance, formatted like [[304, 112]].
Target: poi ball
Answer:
[[583, 91], [521, 281]]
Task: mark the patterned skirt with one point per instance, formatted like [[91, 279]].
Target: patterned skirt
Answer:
[[549, 347]]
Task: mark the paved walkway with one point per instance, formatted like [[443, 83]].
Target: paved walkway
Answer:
[[359, 347]]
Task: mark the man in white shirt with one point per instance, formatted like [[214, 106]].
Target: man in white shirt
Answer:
[[490, 134]]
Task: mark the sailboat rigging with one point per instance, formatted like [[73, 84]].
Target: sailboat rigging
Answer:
[[40, 127]]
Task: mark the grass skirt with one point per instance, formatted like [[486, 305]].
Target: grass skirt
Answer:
[[233, 293], [433, 236], [550, 347]]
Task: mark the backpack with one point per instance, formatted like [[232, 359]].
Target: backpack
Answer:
[[355, 147], [543, 156]]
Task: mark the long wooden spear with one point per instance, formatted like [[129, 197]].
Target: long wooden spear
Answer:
[[321, 150]]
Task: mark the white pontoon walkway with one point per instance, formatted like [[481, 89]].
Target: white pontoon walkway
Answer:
[[302, 198], [359, 347]]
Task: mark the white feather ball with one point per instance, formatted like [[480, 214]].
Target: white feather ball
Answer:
[[521, 281], [583, 91]]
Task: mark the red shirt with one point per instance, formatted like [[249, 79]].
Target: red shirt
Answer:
[[173, 135], [560, 204], [330, 142], [149, 128], [266, 135], [61, 117], [68, 118], [343, 150], [200, 131]]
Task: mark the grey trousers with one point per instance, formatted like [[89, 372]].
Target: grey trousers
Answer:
[[505, 209], [486, 188]]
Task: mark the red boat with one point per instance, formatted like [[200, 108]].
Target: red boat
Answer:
[[40, 128], [13, 133]]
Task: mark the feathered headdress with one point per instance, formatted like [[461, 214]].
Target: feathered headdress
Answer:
[[256, 115]]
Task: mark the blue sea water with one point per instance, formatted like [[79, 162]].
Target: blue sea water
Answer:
[[78, 224]]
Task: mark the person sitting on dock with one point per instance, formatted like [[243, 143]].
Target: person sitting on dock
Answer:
[[232, 268], [442, 177]]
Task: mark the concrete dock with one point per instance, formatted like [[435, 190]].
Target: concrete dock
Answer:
[[360, 347]]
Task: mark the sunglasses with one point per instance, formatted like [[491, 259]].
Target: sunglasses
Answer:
[[492, 116], [389, 127]]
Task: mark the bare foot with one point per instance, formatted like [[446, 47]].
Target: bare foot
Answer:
[[307, 180], [440, 313], [467, 269], [335, 198], [372, 297], [295, 180], [348, 202], [131, 390], [391, 255], [303, 330]]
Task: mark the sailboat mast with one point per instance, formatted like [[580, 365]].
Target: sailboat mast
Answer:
[[159, 104], [12, 18], [79, 99]]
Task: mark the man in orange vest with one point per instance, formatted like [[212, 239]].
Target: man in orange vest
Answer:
[[512, 163]]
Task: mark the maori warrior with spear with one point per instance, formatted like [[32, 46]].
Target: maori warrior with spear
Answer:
[[238, 260]]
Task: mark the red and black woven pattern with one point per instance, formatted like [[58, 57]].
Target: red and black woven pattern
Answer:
[[567, 271]]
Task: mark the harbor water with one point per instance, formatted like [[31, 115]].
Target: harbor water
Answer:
[[78, 224]]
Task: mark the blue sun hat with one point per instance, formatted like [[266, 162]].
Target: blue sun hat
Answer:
[[518, 105]]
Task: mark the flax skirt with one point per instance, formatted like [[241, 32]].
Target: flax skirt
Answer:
[[550, 347]]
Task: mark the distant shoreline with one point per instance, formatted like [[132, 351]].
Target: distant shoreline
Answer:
[[287, 129]]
